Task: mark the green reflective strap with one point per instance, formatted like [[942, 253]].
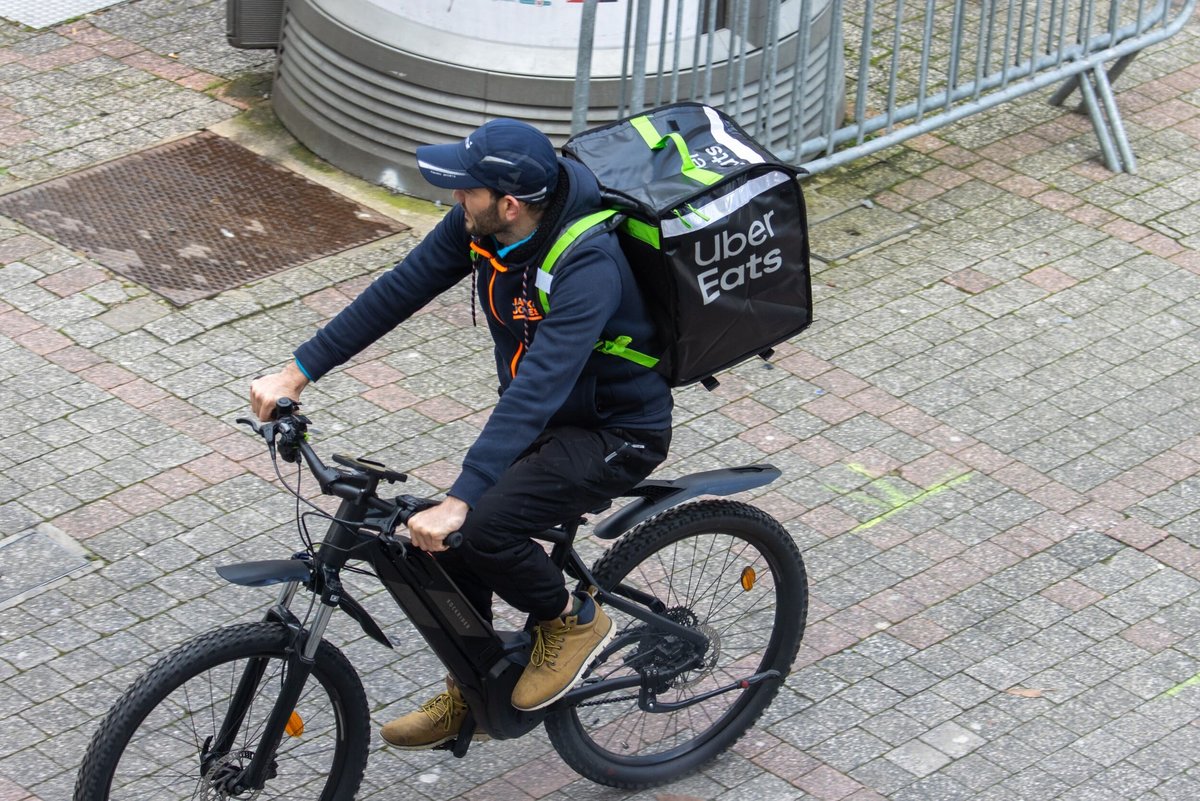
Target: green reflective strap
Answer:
[[573, 232], [655, 141], [615, 347], [690, 170], [620, 347], [649, 133], [643, 232]]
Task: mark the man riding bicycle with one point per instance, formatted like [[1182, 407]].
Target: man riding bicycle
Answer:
[[574, 426]]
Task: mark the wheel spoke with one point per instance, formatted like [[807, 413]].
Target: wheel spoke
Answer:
[[160, 726], [693, 559]]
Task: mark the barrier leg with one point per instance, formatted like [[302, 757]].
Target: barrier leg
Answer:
[[1098, 122], [1104, 89], [1071, 84], [1063, 92]]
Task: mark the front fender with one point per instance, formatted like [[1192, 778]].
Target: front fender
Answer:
[[266, 572], [280, 571]]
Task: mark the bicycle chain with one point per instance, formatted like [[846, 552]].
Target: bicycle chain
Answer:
[[608, 701]]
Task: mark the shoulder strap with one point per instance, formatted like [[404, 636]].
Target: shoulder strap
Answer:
[[577, 231]]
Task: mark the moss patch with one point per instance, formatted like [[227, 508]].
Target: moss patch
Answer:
[[251, 88]]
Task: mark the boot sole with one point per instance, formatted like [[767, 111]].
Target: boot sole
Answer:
[[600, 646], [478, 738]]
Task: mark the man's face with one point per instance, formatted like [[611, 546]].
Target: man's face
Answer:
[[482, 211]]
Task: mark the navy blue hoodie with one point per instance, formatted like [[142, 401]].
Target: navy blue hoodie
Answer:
[[559, 379]]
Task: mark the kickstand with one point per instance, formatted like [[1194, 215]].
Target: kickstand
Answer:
[[463, 741]]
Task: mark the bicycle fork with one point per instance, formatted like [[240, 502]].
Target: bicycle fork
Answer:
[[298, 668]]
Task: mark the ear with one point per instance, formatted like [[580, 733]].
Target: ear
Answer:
[[510, 208]]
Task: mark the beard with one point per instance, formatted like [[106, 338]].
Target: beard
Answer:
[[486, 222]]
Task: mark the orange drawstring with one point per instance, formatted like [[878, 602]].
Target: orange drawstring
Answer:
[[499, 268]]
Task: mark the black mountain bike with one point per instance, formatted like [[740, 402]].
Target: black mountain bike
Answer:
[[709, 600]]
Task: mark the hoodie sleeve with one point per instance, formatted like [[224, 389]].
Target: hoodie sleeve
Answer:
[[437, 263], [586, 293]]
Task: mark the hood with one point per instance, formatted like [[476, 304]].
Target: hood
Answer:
[[577, 194]]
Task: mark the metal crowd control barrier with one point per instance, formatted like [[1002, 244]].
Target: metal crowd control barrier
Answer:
[[911, 66]]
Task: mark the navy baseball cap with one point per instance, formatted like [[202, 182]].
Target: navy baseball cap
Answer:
[[506, 155]]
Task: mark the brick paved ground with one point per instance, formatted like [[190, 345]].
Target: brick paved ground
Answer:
[[991, 445]]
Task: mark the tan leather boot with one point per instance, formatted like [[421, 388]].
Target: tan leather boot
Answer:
[[562, 650], [436, 721]]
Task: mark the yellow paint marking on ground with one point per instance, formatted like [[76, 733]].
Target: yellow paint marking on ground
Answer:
[[1181, 686], [895, 499]]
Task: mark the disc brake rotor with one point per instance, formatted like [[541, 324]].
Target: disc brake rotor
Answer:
[[223, 769]]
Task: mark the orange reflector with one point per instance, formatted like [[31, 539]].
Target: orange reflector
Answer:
[[748, 577], [295, 725]]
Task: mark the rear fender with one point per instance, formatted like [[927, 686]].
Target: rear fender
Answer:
[[654, 496]]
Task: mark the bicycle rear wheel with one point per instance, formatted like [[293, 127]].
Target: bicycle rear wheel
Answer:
[[149, 745], [725, 568]]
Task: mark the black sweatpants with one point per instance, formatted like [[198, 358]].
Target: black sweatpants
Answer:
[[565, 472]]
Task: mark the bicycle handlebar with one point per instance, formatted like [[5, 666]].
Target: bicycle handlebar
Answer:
[[287, 433]]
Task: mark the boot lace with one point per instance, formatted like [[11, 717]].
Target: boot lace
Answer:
[[546, 645], [442, 709]]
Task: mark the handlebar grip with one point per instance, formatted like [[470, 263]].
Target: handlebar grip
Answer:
[[453, 540]]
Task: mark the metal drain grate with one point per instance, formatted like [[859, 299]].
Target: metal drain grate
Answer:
[[195, 217]]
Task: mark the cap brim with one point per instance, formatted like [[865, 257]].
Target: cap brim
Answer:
[[441, 165]]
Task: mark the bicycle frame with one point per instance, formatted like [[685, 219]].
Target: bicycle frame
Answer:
[[484, 662]]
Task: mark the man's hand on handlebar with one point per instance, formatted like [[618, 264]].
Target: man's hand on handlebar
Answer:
[[265, 390], [429, 528]]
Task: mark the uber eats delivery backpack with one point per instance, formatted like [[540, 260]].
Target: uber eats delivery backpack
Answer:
[[714, 228]]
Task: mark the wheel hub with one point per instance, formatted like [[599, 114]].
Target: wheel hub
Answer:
[[709, 657], [669, 656], [222, 773]]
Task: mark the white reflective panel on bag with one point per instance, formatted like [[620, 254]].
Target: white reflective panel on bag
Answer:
[[716, 210], [735, 146]]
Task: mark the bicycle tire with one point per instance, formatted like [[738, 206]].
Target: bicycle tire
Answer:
[[672, 556], [117, 764]]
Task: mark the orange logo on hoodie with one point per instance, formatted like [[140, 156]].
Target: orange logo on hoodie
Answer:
[[525, 309]]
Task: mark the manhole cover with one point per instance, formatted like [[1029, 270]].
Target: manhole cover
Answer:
[[195, 217], [855, 229], [36, 558]]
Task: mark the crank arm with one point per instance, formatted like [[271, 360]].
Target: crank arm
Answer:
[[647, 702], [589, 690]]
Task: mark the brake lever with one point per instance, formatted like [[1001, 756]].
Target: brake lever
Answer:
[[246, 421], [265, 430]]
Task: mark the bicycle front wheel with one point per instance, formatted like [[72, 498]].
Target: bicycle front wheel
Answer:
[[154, 743], [726, 569]]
